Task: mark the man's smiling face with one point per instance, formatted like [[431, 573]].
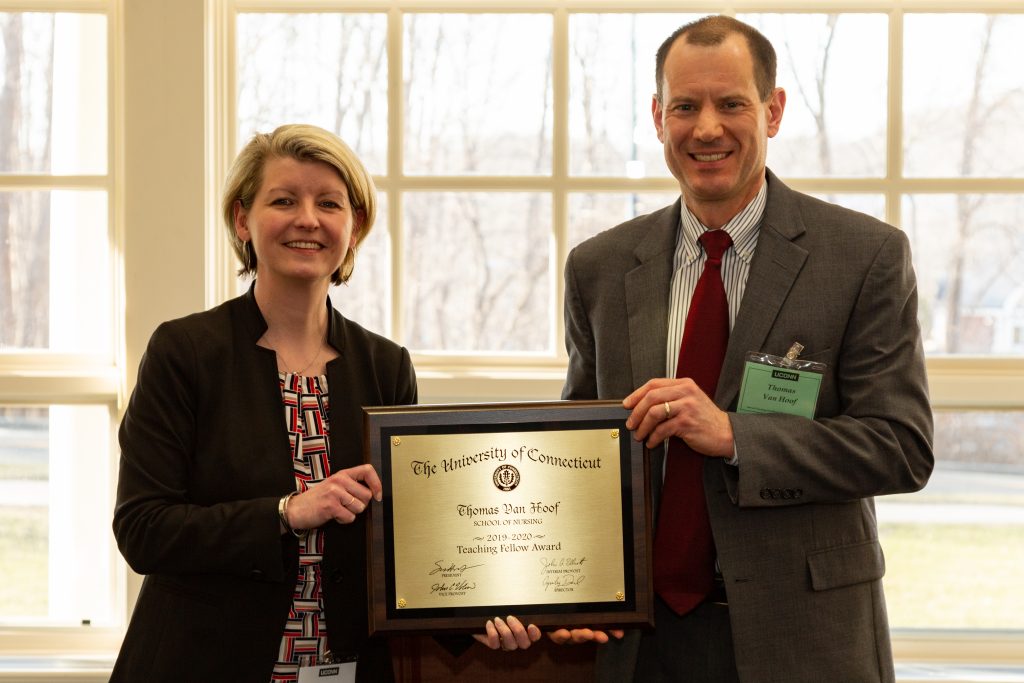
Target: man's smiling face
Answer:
[[714, 126]]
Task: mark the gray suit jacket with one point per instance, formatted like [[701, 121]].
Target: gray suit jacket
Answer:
[[794, 523]]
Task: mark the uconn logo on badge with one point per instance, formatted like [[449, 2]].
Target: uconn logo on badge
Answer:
[[506, 477]]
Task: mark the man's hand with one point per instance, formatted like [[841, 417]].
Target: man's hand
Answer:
[[584, 635], [677, 407]]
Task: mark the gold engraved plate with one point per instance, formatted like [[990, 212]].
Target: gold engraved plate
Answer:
[[507, 518]]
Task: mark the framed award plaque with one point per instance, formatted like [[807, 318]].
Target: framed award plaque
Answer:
[[538, 510]]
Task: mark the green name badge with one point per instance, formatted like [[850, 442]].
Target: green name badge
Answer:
[[768, 388]]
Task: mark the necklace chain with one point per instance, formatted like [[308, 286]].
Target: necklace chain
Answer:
[[319, 350], [310, 364]]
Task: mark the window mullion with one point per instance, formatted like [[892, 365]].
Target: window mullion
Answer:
[[894, 137], [395, 173]]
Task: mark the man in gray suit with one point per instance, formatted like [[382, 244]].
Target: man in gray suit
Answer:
[[789, 500]]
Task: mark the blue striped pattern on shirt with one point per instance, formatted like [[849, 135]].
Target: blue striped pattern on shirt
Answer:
[[688, 264]]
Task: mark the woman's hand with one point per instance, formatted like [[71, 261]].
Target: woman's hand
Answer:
[[508, 634], [340, 497]]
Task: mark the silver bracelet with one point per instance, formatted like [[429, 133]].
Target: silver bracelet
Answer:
[[282, 513]]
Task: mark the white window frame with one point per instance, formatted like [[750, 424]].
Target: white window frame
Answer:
[[173, 259], [40, 378], [957, 382]]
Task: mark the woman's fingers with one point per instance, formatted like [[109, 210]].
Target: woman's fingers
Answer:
[[368, 475], [490, 636]]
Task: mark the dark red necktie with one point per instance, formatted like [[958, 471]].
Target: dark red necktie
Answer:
[[684, 550]]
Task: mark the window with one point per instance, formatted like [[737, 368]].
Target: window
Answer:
[[468, 149], [58, 293], [963, 535], [492, 167]]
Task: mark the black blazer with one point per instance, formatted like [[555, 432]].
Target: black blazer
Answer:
[[204, 461]]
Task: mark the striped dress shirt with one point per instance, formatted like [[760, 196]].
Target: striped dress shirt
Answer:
[[688, 264]]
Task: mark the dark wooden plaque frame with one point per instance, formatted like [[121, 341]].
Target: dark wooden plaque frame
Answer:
[[383, 423]]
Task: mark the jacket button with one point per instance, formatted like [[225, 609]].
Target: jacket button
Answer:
[[337, 576]]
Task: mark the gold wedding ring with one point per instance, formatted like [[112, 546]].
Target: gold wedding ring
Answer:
[[668, 411]]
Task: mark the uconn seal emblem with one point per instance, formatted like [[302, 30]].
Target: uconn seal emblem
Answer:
[[506, 477]]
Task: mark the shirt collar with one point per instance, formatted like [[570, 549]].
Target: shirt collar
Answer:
[[742, 228]]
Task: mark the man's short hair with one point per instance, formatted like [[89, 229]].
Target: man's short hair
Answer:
[[713, 30]]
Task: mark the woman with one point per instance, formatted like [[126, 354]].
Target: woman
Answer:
[[241, 482]]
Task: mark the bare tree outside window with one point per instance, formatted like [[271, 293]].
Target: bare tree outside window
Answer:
[[611, 81], [55, 284], [478, 265], [594, 212], [834, 70], [25, 143], [329, 70], [477, 94], [478, 272], [962, 102], [26, 98], [470, 110], [53, 242], [974, 289]]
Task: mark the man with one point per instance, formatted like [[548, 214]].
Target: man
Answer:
[[790, 588]]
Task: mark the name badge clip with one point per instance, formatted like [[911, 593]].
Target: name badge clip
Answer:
[[780, 384]]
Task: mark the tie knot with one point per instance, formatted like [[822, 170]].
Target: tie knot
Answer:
[[715, 243]]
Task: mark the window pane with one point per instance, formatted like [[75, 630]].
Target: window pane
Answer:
[[871, 204], [611, 77], [326, 69], [954, 550], [478, 272], [478, 94], [56, 551], [963, 99], [55, 274], [830, 128], [53, 93], [967, 256], [24, 517], [595, 212], [366, 298]]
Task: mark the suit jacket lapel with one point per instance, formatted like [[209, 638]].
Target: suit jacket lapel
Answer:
[[776, 263], [647, 295]]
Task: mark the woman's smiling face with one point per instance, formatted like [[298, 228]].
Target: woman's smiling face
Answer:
[[301, 222]]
